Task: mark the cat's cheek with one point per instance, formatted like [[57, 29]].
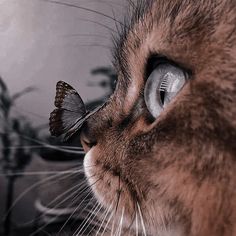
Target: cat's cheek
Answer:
[[106, 187], [88, 163], [92, 173]]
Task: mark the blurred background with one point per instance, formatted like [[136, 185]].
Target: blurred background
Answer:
[[41, 43]]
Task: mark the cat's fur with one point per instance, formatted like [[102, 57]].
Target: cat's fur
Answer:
[[178, 171]]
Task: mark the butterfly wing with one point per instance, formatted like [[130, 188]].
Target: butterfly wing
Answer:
[[80, 122], [69, 112], [67, 98]]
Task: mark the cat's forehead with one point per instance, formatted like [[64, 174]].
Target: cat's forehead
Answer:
[[183, 30]]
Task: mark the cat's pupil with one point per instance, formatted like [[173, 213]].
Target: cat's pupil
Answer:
[[162, 96]]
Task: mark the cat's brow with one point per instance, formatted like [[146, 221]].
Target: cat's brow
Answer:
[[132, 17]]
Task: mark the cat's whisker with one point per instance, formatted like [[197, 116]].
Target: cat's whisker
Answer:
[[23, 111], [82, 187], [58, 204], [99, 23], [97, 223], [117, 204], [109, 3], [83, 8], [134, 215], [74, 170], [88, 210], [51, 146], [136, 223], [39, 173], [81, 192], [77, 193], [86, 220], [121, 221], [131, 4], [89, 186], [94, 45], [104, 219], [48, 146], [141, 218], [54, 218], [88, 35], [108, 221], [118, 227], [113, 224], [76, 210], [42, 146], [111, 215], [66, 194], [46, 233], [34, 186], [41, 229], [94, 215], [107, 216]]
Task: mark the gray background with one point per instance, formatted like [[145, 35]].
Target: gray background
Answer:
[[41, 43]]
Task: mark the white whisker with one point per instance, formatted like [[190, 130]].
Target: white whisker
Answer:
[[136, 223], [84, 9], [121, 221], [86, 220], [32, 187], [113, 224], [42, 146], [51, 146], [42, 173], [76, 210], [142, 222], [104, 230], [91, 220], [58, 204], [104, 219]]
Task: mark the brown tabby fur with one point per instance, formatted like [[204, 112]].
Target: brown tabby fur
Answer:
[[181, 167]]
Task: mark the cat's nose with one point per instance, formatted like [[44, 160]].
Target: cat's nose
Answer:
[[87, 140]]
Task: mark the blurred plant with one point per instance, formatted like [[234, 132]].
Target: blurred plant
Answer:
[[16, 138], [108, 84], [111, 75]]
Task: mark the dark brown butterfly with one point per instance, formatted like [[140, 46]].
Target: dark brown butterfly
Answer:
[[70, 113]]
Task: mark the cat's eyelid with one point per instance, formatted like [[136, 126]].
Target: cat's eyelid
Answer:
[[156, 59]]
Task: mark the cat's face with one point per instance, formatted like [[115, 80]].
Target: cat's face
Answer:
[[174, 172]]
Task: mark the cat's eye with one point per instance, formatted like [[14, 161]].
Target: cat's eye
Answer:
[[162, 86]]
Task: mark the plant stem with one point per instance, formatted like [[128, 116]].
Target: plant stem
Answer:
[[9, 199]]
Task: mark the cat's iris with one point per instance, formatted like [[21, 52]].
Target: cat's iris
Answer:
[[162, 86]]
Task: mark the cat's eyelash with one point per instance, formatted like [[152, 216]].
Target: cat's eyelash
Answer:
[[158, 59]]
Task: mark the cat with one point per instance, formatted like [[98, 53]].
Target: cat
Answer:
[[161, 152]]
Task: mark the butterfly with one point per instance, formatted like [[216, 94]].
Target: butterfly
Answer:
[[70, 113]]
